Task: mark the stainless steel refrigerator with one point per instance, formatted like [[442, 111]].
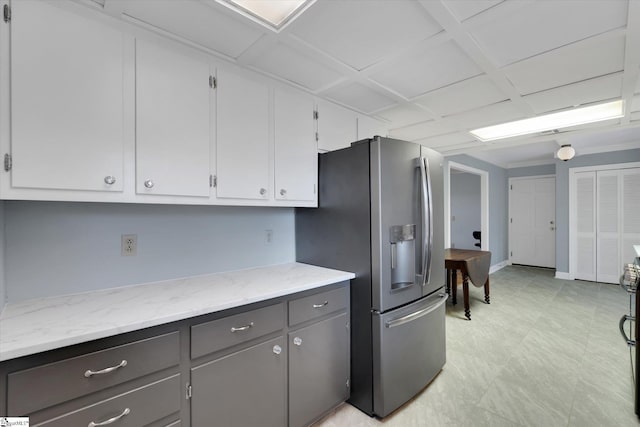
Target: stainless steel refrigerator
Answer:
[[381, 216]]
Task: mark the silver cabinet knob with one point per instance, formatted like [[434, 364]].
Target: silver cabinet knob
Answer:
[[109, 180], [148, 183], [263, 191], [277, 349], [297, 341], [283, 192]]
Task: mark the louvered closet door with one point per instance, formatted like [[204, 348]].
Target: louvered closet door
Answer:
[[608, 266], [630, 180], [585, 255]]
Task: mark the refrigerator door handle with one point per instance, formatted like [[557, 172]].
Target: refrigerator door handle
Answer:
[[416, 314], [427, 226]]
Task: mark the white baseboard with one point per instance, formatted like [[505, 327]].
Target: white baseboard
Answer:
[[562, 275], [498, 266]]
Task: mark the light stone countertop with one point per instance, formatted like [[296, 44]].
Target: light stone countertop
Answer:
[[37, 325]]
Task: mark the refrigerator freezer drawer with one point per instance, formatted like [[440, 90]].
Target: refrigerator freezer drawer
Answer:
[[409, 351]]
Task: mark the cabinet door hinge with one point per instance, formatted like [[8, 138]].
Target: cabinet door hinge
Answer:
[[347, 383], [7, 13], [213, 181], [315, 115], [511, 220], [213, 82], [188, 393], [8, 162], [317, 139], [314, 189], [511, 187], [511, 253]]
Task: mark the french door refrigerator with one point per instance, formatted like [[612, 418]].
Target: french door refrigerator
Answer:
[[380, 215]]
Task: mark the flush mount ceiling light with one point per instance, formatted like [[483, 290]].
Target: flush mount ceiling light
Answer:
[[274, 14], [563, 119], [566, 152]]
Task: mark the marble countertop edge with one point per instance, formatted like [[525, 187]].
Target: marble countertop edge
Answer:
[[27, 330]]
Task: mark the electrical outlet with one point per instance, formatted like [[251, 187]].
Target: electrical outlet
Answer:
[[129, 245], [268, 236]]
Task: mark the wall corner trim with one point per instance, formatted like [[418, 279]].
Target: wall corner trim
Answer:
[[498, 266], [563, 275]]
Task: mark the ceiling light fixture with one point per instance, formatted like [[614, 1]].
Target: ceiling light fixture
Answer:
[[563, 119], [274, 14], [566, 152]]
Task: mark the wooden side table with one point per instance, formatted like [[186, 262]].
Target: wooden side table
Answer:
[[474, 265]]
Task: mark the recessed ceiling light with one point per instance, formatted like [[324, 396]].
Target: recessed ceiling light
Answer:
[[563, 119], [274, 14]]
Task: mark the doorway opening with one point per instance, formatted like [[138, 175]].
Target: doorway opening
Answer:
[[466, 207]]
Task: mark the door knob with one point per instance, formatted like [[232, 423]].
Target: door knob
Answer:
[[283, 192], [148, 183], [109, 180], [277, 349], [297, 341], [263, 191]]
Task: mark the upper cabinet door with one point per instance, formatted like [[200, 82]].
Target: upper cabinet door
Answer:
[[242, 143], [172, 122], [296, 158], [337, 127], [66, 100]]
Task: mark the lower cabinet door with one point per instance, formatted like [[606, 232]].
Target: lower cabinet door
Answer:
[[243, 389], [318, 369]]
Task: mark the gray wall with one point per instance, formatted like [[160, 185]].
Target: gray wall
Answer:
[[562, 195], [532, 171], [56, 248], [498, 205], [465, 208], [3, 292]]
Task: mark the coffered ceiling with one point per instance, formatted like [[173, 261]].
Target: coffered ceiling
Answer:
[[434, 69]]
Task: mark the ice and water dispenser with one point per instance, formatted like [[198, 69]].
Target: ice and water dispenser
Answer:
[[403, 255]]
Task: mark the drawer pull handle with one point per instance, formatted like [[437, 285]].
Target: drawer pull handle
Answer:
[[110, 420], [321, 305], [89, 373], [242, 328]]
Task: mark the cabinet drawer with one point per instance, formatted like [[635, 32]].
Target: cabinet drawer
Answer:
[[226, 332], [43, 386], [136, 408], [317, 305]]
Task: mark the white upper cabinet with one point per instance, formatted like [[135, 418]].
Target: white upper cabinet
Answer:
[[173, 147], [242, 138], [295, 147], [368, 127], [66, 100], [337, 127]]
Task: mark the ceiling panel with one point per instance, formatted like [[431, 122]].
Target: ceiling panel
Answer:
[[361, 32], [402, 115], [451, 139], [545, 25], [487, 116], [466, 95], [299, 68], [416, 74], [359, 97], [465, 9], [196, 22], [588, 91], [422, 130], [540, 152], [580, 61]]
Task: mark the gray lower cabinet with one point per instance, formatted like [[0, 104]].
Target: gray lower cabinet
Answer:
[[245, 388], [270, 364], [318, 369], [139, 407]]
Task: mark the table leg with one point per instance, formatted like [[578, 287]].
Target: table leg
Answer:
[[486, 292], [448, 282], [465, 289], [454, 286]]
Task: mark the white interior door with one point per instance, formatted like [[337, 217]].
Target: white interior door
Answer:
[[532, 221], [605, 222], [585, 226], [608, 264]]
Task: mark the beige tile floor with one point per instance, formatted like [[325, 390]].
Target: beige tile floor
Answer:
[[546, 352]]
